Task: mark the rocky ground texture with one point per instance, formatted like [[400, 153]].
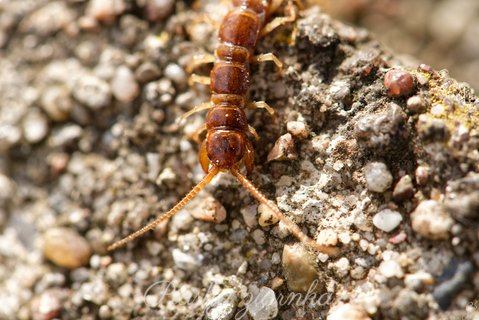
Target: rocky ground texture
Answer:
[[441, 32], [371, 153]]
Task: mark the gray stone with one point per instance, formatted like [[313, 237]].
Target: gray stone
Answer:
[[387, 220], [264, 305], [223, 306], [378, 177]]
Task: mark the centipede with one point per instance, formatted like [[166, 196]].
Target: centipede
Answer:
[[228, 146]]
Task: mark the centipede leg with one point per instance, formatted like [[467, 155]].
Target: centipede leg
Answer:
[[253, 132], [262, 105], [201, 107], [300, 3], [199, 79], [270, 57], [249, 157], [274, 5], [205, 18], [199, 60], [203, 156], [195, 136], [279, 21]]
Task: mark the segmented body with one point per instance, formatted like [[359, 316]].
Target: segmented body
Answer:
[[227, 142]]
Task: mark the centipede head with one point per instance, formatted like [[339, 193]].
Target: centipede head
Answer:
[[225, 148]]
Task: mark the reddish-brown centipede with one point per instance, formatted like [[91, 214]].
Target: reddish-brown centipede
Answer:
[[227, 145]]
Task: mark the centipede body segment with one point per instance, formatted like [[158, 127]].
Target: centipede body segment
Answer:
[[227, 145]]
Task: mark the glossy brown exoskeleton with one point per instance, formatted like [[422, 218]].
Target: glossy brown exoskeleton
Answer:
[[227, 144]]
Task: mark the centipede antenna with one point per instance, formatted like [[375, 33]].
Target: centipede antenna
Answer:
[[293, 227], [196, 189]]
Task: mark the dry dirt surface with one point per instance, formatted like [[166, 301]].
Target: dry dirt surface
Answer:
[[368, 153]]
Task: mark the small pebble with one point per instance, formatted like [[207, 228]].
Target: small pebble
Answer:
[[344, 237], [358, 273], [390, 269], [266, 216], [425, 68], [422, 175], [416, 104], [92, 92], [35, 126], [65, 135], [185, 261], [147, 72], [378, 177], [57, 103], [66, 248], [398, 238], [298, 129], [123, 85], [87, 52], [299, 268], [105, 11], [104, 312], [249, 215], [243, 268], [47, 306], [116, 273], [348, 312], [7, 188], [175, 73], [438, 110], [431, 220], [9, 136], [399, 83], [362, 221], [340, 90], [417, 280], [363, 244], [182, 220], [259, 237], [209, 209], [277, 283], [264, 305], [387, 220], [283, 149], [422, 79], [223, 306], [404, 189], [341, 267], [328, 237], [157, 10], [96, 291], [154, 166]]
